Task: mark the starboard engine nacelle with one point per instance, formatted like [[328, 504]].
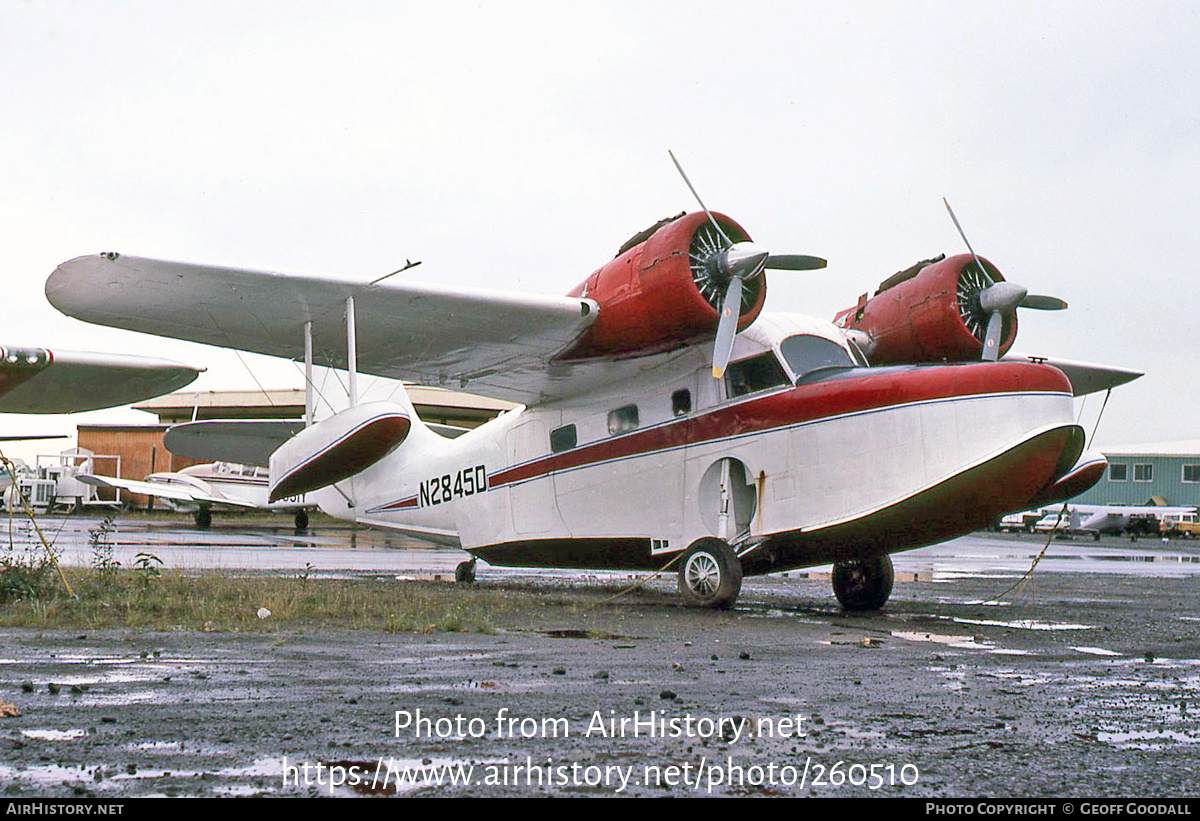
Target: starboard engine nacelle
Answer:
[[930, 312], [662, 292], [337, 448]]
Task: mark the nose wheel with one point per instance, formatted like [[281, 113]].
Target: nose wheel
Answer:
[[710, 575], [863, 584]]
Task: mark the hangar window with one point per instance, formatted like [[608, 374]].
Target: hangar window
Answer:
[[805, 353], [623, 419], [1143, 473], [1191, 474], [1118, 473], [758, 373], [563, 438]]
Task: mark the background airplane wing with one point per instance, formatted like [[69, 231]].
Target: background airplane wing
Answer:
[[163, 490], [35, 380], [494, 343], [1086, 377]]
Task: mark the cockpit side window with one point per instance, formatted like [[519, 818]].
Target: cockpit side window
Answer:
[[805, 353], [758, 373]]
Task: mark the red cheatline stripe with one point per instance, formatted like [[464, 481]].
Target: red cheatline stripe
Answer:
[[805, 403]]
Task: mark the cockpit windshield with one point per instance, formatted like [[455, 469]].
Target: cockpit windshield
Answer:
[[805, 353]]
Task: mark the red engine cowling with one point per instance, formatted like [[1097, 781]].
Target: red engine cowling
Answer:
[[927, 313], [657, 295]]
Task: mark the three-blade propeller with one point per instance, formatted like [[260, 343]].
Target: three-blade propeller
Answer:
[[998, 300], [735, 264]]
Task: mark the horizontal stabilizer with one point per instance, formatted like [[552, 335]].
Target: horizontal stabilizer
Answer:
[[336, 448], [244, 441]]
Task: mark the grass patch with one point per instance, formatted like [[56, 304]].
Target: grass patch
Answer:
[[170, 600]]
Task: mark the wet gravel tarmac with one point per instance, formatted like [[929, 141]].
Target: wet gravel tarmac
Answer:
[[1078, 684]]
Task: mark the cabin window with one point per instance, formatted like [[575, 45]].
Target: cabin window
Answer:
[[681, 402], [805, 353], [623, 419], [1143, 473], [1191, 474], [758, 373], [1118, 473], [563, 438]]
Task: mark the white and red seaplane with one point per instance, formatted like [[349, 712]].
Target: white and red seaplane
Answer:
[[793, 442]]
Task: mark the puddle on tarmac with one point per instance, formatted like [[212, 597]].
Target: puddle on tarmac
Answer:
[[1022, 624], [1095, 651], [1016, 677], [965, 642], [851, 731], [1147, 739], [54, 735], [955, 679]]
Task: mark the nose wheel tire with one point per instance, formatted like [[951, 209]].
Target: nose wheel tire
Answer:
[[710, 575], [863, 584]]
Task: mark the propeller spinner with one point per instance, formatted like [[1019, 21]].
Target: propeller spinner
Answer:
[[725, 269], [983, 300]]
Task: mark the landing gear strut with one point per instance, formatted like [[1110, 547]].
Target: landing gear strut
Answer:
[[863, 584], [465, 573], [710, 574]]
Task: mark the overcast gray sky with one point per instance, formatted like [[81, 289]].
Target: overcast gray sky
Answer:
[[518, 145]]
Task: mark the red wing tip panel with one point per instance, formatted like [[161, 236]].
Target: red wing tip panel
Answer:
[[335, 449], [1079, 479]]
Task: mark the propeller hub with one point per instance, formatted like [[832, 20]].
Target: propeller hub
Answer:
[[744, 260], [1001, 297]]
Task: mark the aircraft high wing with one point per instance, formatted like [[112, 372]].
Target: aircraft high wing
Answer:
[[669, 422], [36, 380], [498, 343]]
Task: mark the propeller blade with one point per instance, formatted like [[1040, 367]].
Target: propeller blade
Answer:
[[991, 343], [963, 234], [703, 207], [1041, 302], [731, 309], [794, 262]]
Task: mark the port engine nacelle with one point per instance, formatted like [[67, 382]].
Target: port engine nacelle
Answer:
[[663, 290]]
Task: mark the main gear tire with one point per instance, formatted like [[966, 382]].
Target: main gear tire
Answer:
[[710, 575], [863, 584]]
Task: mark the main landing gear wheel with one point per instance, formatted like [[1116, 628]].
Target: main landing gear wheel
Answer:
[[863, 584], [465, 573], [710, 575], [302, 520], [203, 518]]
